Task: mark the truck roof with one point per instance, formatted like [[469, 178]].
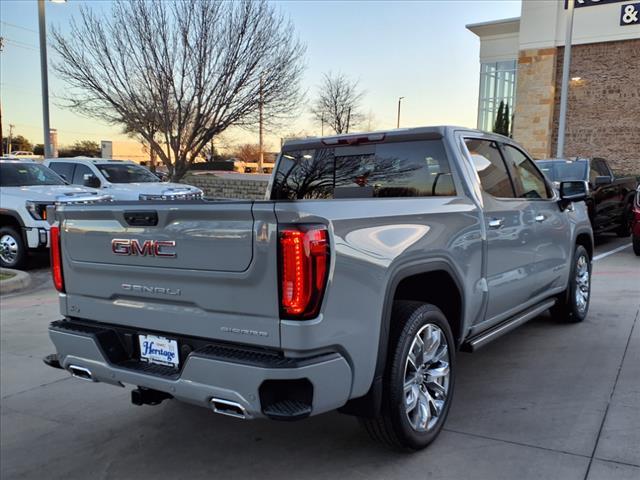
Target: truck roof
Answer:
[[87, 160], [16, 160], [398, 134]]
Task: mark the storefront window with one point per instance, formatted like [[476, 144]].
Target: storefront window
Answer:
[[497, 84]]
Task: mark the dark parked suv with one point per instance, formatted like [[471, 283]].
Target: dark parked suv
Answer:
[[610, 198]]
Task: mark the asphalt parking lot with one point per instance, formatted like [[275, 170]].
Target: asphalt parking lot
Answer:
[[548, 401]]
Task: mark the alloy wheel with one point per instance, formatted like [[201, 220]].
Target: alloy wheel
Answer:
[[582, 283], [426, 378], [8, 249]]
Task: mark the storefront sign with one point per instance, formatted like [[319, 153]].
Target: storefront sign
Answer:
[[590, 3], [630, 14]]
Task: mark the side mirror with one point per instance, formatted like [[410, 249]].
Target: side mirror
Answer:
[[603, 180], [574, 191], [90, 180]]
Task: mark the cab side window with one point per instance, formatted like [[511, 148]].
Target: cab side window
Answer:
[[527, 179], [81, 171], [600, 168], [491, 169], [64, 169]]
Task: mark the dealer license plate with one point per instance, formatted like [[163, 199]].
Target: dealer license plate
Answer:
[[159, 350]]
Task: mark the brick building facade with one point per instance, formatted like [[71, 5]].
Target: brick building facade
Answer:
[[603, 117]]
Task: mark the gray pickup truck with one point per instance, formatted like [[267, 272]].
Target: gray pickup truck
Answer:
[[373, 260]]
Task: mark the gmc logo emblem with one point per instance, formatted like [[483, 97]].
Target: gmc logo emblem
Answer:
[[148, 248]]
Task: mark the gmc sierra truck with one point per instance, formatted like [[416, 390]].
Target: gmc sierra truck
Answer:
[[374, 258]]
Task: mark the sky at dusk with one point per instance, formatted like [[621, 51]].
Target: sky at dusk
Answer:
[[416, 49]]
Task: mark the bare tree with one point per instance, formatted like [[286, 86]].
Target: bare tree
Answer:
[[180, 73], [248, 152], [338, 103]]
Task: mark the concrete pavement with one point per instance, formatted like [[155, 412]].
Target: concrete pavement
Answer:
[[546, 401]]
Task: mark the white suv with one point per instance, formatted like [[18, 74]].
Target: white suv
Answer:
[[122, 179], [26, 189]]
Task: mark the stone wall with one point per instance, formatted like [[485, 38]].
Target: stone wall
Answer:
[[533, 117], [603, 117], [245, 186]]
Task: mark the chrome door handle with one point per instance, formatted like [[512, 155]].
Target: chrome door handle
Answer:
[[540, 218], [496, 223]]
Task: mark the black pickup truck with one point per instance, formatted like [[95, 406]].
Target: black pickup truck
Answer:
[[610, 198]]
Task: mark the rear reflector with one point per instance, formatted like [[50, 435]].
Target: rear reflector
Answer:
[[56, 258], [304, 265]]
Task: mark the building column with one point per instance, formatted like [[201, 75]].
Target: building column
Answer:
[[535, 99]]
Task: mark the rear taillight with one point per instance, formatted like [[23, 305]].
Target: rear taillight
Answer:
[[304, 266], [56, 258]]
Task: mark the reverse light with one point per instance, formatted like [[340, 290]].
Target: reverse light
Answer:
[[56, 258], [304, 266]]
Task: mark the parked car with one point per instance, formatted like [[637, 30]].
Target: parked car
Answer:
[[254, 167], [23, 154], [377, 257], [26, 189], [610, 199], [635, 223], [122, 179]]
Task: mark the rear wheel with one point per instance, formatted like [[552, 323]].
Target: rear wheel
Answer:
[[624, 230], [418, 383], [636, 245], [13, 253], [573, 304]]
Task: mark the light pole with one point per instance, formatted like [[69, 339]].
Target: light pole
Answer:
[[566, 66], [399, 102], [48, 151]]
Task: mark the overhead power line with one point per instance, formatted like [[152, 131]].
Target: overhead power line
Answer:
[[19, 44], [13, 25]]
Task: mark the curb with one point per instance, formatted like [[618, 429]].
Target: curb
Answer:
[[19, 281]]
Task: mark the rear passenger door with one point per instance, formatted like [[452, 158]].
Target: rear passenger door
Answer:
[[551, 240], [607, 196], [510, 228]]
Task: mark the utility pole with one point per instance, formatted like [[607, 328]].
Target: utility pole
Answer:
[[11, 127], [348, 119], [261, 160], [48, 152], [566, 66], [399, 101], [322, 125]]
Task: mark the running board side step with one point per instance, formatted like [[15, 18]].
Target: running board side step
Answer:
[[480, 340]]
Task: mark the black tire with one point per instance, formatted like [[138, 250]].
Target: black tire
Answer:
[[636, 245], [13, 252], [393, 426], [567, 308], [624, 230]]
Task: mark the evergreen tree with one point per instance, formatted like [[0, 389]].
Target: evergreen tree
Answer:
[[498, 125], [502, 124], [507, 121]]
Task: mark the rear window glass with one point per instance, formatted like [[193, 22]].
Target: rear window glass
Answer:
[[559, 171], [402, 169]]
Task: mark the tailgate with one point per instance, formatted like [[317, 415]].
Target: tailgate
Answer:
[[206, 269]]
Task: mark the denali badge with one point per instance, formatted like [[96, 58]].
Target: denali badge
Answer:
[[149, 248], [151, 289]]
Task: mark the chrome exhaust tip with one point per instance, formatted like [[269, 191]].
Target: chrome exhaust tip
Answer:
[[231, 409], [81, 373]]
